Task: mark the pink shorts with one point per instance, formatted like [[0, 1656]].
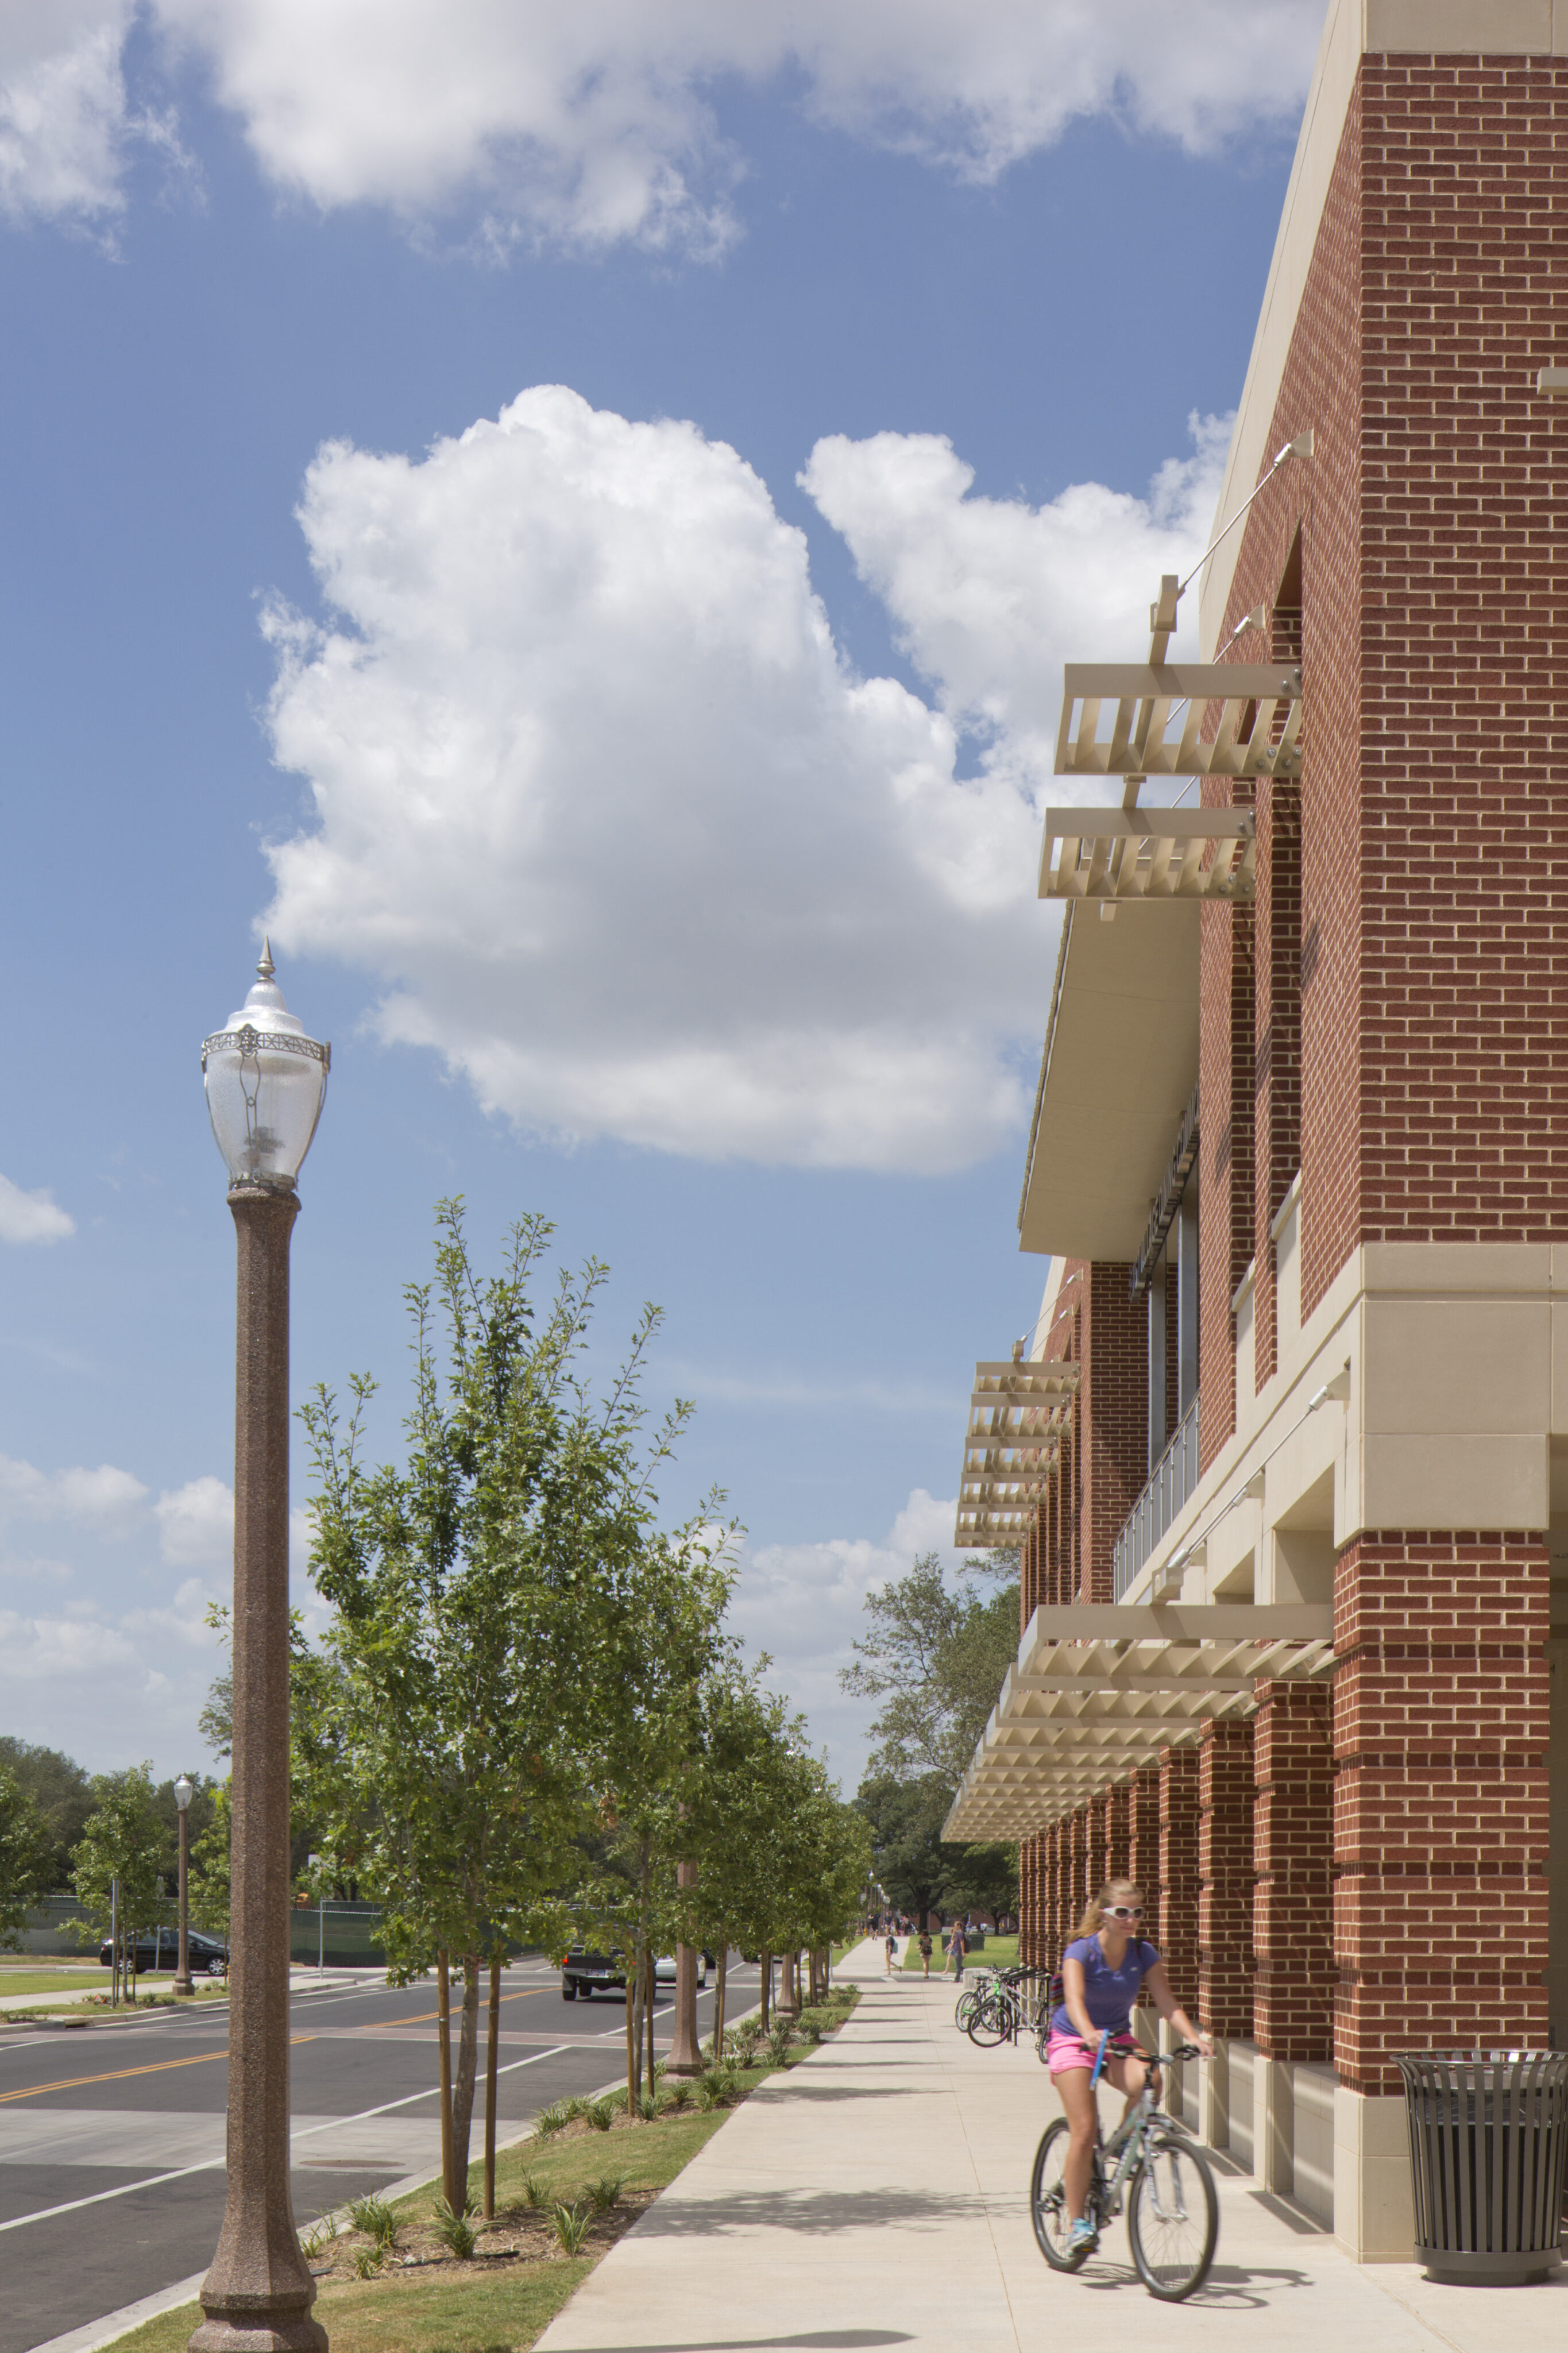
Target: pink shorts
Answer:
[[1065, 2050]]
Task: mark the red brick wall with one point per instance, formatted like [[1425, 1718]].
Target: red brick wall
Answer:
[[1077, 1867], [1441, 1813], [1143, 1843], [1292, 1849], [1435, 625], [1094, 1857], [1118, 1830], [1277, 1066], [1224, 1873], [1179, 1871], [1113, 1417], [1226, 1207]]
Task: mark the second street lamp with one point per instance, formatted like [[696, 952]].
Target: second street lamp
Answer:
[[265, 1081], [182, 1800]]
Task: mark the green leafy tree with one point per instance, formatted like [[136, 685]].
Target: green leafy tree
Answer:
[[122, 1838], [62, 1792], [935, 1660], [26, 1856], [458, 1724]]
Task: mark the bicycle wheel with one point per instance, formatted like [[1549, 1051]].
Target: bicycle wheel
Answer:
[[1048, 2200], [1172, 2219], [964, 2010], [988, 2025]]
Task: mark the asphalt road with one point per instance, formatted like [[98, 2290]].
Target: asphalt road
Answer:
[[112, 2142]]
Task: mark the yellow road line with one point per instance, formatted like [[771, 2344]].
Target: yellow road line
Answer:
[[425, 2015], [118, 2074]]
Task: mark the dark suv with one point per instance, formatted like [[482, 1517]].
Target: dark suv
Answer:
[[158, 1948]]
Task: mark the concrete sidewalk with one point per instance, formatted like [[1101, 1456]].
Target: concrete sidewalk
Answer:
[[878, 2195]]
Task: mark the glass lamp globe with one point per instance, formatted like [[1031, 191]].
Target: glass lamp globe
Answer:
[[266, 1083], [183, 1792]]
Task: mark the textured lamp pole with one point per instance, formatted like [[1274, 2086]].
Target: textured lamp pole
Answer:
[[183, 1972], [265, 1084]]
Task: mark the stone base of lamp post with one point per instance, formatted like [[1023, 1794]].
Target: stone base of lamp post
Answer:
[[258, 2295]]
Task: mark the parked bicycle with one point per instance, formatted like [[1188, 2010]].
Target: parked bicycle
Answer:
[[1003, 2011], [1172, 2210]]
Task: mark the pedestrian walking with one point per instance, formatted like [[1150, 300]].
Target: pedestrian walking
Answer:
[[955, 1945], [891, 1948], [925, 1952]]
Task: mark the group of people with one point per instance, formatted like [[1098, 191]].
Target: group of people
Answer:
[[954, 1945]]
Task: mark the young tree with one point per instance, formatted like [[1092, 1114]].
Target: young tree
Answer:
[[26, 1853], [122, 1840], [450, 1734]]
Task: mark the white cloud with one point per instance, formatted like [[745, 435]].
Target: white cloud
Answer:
[[62, 106], [605, 120], [601, 807], [603, 811], [989, 595], [31, 1217], [196, 1523], [105, 1500]]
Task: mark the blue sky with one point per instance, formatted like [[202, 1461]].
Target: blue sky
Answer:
[[640, 776]]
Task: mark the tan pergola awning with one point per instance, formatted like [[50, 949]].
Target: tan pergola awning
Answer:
[[1097, 1692], [1231, 719], [1016, 1412], [1122, 856]]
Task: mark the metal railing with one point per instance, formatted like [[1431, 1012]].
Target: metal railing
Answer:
[[1171, 1483]]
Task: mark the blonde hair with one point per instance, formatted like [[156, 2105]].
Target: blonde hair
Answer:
[[1115, 1891]]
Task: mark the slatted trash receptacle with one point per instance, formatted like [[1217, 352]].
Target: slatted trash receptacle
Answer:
[[1488, 2150]]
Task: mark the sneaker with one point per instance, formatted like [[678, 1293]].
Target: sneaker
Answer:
[[1083, 2238]]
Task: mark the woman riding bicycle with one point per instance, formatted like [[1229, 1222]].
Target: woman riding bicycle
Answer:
[[1101, 1972]]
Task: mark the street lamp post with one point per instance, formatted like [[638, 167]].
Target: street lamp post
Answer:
[[182, 1971], [265, 1084]]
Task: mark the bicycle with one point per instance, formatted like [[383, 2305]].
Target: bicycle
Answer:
[[1002, 2013], [1172, 2211]]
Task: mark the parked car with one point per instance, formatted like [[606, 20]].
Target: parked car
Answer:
[[158, 1948], [664, 1968]]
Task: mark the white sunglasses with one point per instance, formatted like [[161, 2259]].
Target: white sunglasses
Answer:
[[1121, 1911]]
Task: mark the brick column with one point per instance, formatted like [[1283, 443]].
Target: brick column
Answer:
[[1224, 1873], [1077, 1867], [1143, 1843], [1292, 1847], [1094, 1857], [1441, 1809], [1117, 1829], [1277, 924], [1053, 1895], [1112, 1414], [1225, 1204], [1179, 1871]]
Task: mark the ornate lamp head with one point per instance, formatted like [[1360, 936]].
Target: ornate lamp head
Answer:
[[266, 1083]]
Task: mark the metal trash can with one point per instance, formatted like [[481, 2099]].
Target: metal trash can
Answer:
[[1489, 2154]]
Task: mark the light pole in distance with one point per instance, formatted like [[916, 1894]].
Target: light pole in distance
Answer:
[[266, 1082], [182, 1970]]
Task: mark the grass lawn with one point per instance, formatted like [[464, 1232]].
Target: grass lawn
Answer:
[[502, 2303], [997, 1953], [66, 1980]]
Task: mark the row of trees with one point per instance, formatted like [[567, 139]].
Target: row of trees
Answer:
[[933, 1658], [527, 1722], [121, 1827]]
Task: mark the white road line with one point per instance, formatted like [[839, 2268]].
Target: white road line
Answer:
[[214, 2164]]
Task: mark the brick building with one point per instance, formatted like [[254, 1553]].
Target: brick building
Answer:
[[1288, 1456]]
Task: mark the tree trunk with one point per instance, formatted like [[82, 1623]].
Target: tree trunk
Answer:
[[491, 2053], [719, 1974], [650, 2003], [467, 2075], [633, 2032], [444, 2053], [789, 1986], [767, 1962]]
